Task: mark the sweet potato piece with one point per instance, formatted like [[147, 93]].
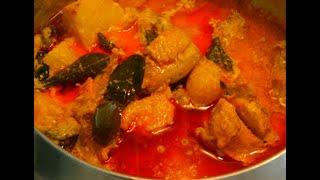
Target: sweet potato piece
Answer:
[[203, 85], [228, 133], [151, 113]]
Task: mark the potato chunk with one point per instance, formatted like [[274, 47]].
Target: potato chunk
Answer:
[[228, 133], [203, 85], [91, 17], [149, 114], [61, 56]]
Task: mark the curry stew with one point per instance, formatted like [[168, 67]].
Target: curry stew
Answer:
[[162, 89]]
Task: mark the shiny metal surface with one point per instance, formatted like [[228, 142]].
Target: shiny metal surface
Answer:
[[52, 162]]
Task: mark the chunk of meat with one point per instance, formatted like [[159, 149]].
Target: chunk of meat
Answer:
[[171, 66], [53, 119], [149, 114], [166, 47], [241, 94], [203, 84], [227, 132], [184, 63], [256, 119]]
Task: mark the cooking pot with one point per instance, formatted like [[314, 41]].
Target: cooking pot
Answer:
[[52, 162]]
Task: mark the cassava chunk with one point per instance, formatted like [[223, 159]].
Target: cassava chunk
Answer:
[[228, 133], [203, 85], [61, 56], [150, 114]]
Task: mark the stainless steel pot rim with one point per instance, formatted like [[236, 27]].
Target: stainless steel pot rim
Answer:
[[120, 175]]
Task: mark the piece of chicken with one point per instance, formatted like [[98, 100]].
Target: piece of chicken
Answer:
[[52, 118], [256, 119], [172, 56], [226, 132], [149, 114]]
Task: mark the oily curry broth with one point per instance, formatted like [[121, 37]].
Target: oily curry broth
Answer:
[[176, 152]]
